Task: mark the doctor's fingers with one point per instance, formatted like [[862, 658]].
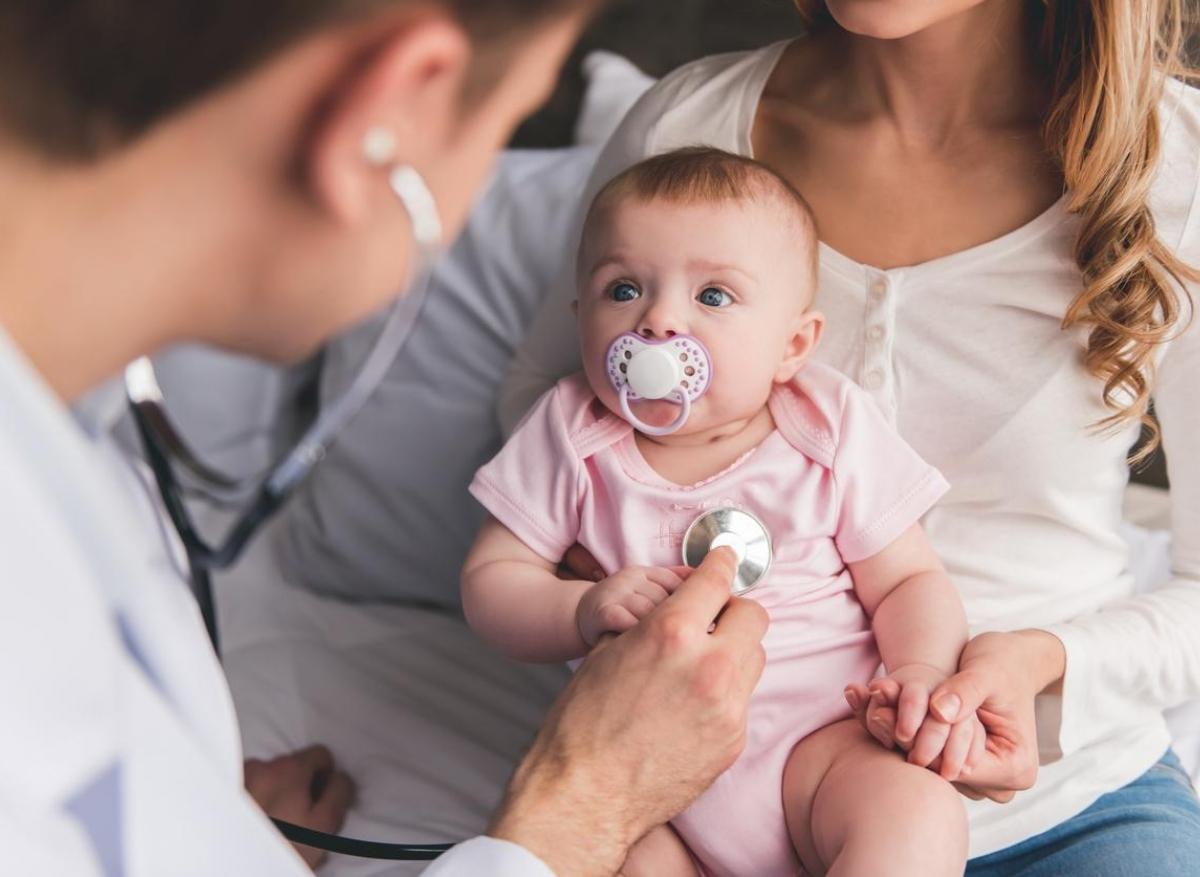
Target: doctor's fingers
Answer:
[[740, 631], [330, 808], [315, 759], [699, 599], [265, 779]]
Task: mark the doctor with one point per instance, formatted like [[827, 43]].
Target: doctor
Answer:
[[175, 171]]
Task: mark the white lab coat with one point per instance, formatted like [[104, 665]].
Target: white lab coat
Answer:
[[120, 748]]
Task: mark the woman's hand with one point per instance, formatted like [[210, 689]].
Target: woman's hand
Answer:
[[645, 725], [578, 564], [305, 788], [999, 676], [944, 747]]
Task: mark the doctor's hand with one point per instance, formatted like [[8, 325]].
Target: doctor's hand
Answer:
[[305, 788], [645, 725], [617, 603]]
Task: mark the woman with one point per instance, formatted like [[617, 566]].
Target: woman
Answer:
[[1005, 195], [228, 173]]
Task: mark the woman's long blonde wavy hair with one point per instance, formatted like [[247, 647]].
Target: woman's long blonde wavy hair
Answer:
[[1109, 61]]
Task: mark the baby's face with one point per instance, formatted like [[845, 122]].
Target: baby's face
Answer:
[[732, 274]]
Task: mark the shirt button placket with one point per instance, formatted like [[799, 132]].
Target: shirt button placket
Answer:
[[879, 326]]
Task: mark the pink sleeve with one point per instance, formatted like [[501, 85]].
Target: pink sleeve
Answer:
[[883, 486], [534, 485]]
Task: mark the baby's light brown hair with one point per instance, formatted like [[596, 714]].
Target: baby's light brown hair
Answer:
[[705, 175]]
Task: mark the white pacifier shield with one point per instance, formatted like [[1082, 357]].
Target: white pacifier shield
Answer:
[[653, 373]]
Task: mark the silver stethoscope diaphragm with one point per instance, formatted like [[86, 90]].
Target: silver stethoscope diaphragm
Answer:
[[739, 530]]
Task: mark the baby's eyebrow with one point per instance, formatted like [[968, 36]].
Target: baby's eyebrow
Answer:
[[696, 265], [612, 259]]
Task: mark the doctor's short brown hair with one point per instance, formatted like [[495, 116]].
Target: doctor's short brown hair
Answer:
[[78, 77]]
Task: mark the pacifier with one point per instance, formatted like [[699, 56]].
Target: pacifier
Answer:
[[678, 369]]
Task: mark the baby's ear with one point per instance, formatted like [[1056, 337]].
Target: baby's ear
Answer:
[[804, 340]]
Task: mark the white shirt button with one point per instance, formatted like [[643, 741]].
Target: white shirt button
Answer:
[[876, 333], [874, 379], [879, 288]]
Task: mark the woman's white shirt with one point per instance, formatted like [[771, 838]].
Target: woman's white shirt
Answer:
[[965, 355], [122, 754]]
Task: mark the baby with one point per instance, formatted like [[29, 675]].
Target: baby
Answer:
[[695, 278]]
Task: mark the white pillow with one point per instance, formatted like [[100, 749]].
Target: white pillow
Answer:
[[387, 516], [614, 84]]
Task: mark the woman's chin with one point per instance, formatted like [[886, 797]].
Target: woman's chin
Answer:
[[886, 19]]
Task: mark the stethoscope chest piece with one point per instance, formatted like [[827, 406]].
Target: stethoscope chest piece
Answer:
[[739, 530]]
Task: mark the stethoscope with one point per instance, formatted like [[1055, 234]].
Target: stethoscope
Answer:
[[260, 497]]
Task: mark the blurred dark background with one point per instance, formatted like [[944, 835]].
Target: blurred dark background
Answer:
[[660, 35]]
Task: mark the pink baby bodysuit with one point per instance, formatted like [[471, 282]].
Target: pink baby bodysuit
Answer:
[[833, 484]]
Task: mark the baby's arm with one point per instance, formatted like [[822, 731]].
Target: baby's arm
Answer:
[[515, 602], [920, 628], [513, 599]]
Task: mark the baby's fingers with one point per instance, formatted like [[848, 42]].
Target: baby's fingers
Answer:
[[667, 579], [881, 723], [614, 618], [930, 742], [911, 710], [858, 698], [885, 689], [639, 604]]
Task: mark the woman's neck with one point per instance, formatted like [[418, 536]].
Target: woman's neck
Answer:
[[978, 68]]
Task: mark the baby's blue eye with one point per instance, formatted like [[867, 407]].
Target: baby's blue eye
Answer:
[[714, 298], [623, 292]]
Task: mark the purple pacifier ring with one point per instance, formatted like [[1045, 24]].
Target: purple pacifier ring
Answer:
[[637, 423], [677, 369]]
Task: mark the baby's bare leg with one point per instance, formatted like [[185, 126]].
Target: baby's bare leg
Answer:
[[660, 852], [854, 808]]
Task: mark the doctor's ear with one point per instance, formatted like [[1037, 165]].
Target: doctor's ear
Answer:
[[804, 341], [396, 102]]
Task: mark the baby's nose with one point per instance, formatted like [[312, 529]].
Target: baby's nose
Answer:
[[660, 323], [648, 332]]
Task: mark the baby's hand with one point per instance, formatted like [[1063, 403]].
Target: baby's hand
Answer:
[[901, 715], [616, 604]]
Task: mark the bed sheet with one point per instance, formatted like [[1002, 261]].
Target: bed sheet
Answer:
[[427, 719]]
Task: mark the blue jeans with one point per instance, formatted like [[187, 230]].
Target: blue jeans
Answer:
[[1149, 828]]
